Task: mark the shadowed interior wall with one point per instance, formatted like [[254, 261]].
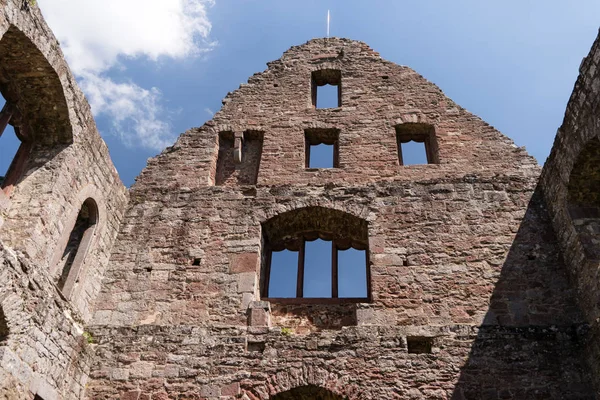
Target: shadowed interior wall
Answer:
[[570, 185]]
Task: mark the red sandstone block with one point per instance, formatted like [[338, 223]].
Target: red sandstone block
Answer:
[[259, 317], [132, 395], [244, 262], [231, 389]]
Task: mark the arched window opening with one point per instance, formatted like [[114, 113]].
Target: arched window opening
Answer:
[[34, 112], [15, 146], [308, 392], [315, 255], [583, 198], [3, 327], [77, 246], [416, 144]]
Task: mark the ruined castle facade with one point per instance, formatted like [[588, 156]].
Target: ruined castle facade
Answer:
[[470, 276]]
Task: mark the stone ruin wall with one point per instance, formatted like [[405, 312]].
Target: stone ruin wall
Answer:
[[461, 253], [571, 184], [44, 352]]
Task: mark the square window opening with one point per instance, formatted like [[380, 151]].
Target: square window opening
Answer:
[[326, 88], [322, 150], [416, 144], [419, 344], [413, 153]]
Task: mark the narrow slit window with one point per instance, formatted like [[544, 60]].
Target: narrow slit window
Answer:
[[77, 246], [284, 274], [3, 326], [416, 144], [322, 148], [327, 88]]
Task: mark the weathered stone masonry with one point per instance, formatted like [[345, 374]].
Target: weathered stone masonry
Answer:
[[469, 294], [63, 163], [571, 184]]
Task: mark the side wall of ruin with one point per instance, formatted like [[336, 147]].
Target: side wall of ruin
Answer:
[[43, 350], [571, 183]]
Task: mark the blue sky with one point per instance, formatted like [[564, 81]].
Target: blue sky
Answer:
[[155, 68]]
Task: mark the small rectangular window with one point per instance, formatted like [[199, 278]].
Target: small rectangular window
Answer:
[[416, 144], [419, 344], [322, 149], [245, 172], [326, 88], [413, 153]]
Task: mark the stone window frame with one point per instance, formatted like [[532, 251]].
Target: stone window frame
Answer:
[[300, 246], [83, 247], [317, 136], [295, 240], [420, 133], [237, 142], [322, 77]]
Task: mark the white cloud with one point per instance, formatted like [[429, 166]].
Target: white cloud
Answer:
[[96, 35]]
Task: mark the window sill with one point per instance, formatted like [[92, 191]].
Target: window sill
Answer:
[[315, 300], [320, 169]]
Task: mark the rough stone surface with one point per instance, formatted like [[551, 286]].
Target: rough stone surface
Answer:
[[461, 253], [43, 351], [469, 297], [571, 183]]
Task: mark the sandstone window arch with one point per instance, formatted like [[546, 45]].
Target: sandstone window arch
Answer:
[[308, 392], [78, 245], [315, 255], [35, 102], [583, 198]]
